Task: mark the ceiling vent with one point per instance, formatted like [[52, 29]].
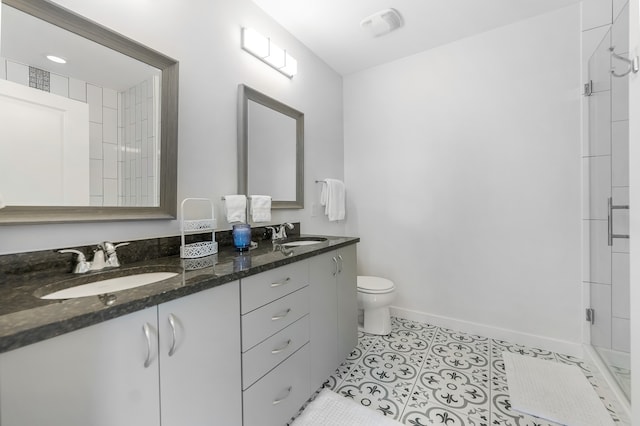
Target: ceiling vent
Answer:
[[383, 22]]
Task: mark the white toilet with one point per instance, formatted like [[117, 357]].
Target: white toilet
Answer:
[[375, 295]]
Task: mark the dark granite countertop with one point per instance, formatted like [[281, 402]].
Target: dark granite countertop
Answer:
[[26, 319]]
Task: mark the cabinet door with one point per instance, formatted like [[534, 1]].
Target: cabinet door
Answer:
[[347, 289], [200, 380], [323, 317], [93, 376]]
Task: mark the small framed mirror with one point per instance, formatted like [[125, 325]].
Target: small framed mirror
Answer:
[[90, 139], [270, 149]]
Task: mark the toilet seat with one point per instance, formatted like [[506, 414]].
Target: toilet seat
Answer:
[[375, 285]]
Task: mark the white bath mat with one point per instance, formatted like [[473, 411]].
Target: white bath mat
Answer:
[[331, 409], [553, 391]]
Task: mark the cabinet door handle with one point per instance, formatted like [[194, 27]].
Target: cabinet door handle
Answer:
[[147, 334], [278, 401], [279, 283], [172, 323], [340, 267], [282, 348], [335, 271], [279, 317]]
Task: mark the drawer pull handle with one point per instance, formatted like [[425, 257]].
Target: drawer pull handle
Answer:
[[279, 283], [279, 317], [278, 401], [286, 345], [147, 334], [172, 323]]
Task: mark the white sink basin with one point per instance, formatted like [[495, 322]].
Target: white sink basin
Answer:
[[110, 285], [300, 243]]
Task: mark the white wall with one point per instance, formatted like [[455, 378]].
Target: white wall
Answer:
[[464, 175], [205, 37]]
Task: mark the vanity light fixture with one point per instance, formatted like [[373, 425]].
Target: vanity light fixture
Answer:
[[268, 52], [56, 59]]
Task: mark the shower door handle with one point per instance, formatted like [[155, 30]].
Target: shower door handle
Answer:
[[610, 234]]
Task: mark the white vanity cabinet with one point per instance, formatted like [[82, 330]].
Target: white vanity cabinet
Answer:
[[333, 313], [97, 376], [246, 352], [92, 376], [275, 336]]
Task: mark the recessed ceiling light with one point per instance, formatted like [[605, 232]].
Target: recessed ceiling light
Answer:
[[56, 59]]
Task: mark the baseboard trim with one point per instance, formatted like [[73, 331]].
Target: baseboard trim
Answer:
[[531, 340]]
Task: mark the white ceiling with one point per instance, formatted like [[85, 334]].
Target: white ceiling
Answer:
[[331, 28], [27, 40]]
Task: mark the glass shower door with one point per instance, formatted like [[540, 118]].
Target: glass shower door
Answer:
[[606, 165]]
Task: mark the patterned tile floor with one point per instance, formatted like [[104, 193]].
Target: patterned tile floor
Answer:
[[426, 375]]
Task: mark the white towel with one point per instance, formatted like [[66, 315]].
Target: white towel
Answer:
[[331, 409], [261, 208], [236, 208], [332, 198]]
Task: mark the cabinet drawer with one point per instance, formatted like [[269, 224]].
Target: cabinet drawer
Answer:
[[268, 354], [268, 320], [276, 398], [258, 290]]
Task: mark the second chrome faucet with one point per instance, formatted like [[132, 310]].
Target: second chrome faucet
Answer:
[[281, 232]]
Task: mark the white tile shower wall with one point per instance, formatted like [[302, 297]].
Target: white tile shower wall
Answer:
[[620, 29], [599, 134], [620, 285], [598, 175], [103, 137], [599, 266], [77, 90], [634, 199], [607, 141], [139, 135], [596, 148], [601, 304], [596, 13], [620, 154], [59, 85], [620, 279], [620, 334], [102, 126], [18, 73]]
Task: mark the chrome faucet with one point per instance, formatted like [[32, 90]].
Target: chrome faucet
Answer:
[[109, 248], [281, 233], [99, 261]]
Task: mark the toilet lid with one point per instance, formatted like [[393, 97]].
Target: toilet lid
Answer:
[[368, 284]]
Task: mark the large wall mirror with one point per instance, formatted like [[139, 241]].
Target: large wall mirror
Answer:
[[90, 139], [270, 149]]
